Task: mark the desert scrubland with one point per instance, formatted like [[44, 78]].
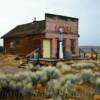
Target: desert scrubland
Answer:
[[77, 81]]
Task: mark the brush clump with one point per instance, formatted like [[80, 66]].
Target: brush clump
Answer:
[[97, 63], [86, 76], [97, 84], [21, 81], [64, 68], [52, 72], [54, 89], [83, 65]]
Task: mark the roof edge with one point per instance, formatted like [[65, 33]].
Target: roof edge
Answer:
[[62, 16]]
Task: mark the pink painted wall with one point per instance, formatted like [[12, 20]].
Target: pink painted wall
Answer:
[[52, 26], [54, 47]]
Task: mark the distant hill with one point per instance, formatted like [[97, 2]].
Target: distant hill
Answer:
[[89, 47]]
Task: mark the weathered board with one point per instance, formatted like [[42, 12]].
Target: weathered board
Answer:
[[46, 48]]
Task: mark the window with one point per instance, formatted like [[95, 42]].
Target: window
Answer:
[[12, 44], [73, 46]]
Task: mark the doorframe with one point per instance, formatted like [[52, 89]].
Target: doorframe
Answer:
[[73, 46], [50, 46], [64, 47]]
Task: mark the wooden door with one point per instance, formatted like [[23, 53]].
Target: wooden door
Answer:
[[46, 48]]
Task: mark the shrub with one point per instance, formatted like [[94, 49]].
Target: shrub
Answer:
[[67, 85], [64, 68], [59, 65], [10, 77], [59, 88], [12, 84], [41, 77], [97, 63], [72, 77], [86, 76], [30, 66], [22, 82], [83, 65], [25, 75], [19, 85], [34, 78], [96, 75], [27, 89], [54, 85], [52, 73], [54, 88], [3, 80], [68, 88], [97, 82]]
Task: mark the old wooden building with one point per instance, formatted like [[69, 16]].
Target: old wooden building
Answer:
[[45, 35]]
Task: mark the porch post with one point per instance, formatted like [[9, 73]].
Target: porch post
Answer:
[[76, 47], [67, 44], [54, 47]]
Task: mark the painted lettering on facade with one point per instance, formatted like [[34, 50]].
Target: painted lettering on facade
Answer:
[[68, 26]]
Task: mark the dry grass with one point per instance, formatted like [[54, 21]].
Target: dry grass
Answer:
[[10, 60], [8, 64]]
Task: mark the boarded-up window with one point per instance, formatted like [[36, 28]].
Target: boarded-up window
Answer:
[[12, 44], [46, 48]]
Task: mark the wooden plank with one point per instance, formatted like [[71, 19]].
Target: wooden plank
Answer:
[[46, 48]]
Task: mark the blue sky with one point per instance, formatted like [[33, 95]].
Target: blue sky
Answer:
[[15, 12]]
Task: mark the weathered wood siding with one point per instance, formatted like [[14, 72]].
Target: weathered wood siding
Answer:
[[24, 44], [70, 26], [53, 24], [27, 43]]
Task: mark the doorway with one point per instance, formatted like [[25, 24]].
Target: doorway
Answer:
[[60, 49], [46, 48], [73, 46]]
